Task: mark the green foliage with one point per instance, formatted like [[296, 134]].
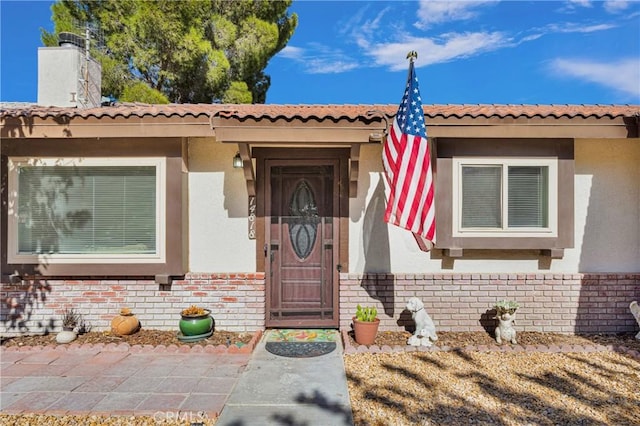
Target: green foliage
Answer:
[[140, 92], [191, 51], [366, 314], [238, 93], [506, 306]]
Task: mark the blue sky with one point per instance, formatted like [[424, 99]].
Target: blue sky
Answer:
[[354, 52]]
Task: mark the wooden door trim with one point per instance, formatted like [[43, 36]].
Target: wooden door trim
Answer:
[[266, 158]]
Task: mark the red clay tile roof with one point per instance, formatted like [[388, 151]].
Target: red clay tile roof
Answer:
[[321, 112]]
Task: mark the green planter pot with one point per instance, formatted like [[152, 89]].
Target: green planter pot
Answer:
[[196, 325]]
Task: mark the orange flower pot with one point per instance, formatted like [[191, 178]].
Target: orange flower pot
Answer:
[[365, 331]]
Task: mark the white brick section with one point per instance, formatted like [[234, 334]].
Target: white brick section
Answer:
[[236, 300], [571, 303]]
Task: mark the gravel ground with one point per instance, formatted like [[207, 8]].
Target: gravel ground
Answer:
[[390, 338], [493, 388], [464, 339], [142, 337], [441, 388]]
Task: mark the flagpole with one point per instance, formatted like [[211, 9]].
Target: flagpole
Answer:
[[411, 56]]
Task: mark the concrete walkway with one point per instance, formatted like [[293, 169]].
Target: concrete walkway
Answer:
[[256, 388], [275, 390], [164, 385]]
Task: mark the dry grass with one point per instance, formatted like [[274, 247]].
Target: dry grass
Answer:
[[452, 388]]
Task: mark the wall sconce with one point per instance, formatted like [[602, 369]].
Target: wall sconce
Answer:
[[237, 161], [376, 137]]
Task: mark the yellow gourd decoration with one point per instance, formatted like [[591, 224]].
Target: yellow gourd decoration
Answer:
[[125, 323]]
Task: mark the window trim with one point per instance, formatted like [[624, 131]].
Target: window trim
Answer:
[[14, 163], [445, 149], [549, 232]]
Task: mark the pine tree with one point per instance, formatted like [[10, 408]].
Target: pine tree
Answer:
[[188, 51]]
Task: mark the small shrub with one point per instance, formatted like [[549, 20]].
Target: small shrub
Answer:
[[194, 310], [506, 306], [70, 318], [366, 314]]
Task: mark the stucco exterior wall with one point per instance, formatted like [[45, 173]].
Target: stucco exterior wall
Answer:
[[607, 206], [217, 217], [607, 222]]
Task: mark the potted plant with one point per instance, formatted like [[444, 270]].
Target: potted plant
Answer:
[[365, 325], [506, 306], [70, 319], [196, 323]]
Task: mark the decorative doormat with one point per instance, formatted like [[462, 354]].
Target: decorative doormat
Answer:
[[301, 343], [302, 335]]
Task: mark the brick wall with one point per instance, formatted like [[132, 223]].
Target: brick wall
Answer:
[[236, 301], [562, 303]]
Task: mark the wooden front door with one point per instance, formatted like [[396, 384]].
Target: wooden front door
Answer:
[[302, 198]]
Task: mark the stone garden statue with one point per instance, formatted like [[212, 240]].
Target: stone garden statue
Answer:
[[425, 332], [506, 316], [635, 310]]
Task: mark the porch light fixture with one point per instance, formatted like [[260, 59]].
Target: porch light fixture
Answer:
[[237, 161], [376, 137]]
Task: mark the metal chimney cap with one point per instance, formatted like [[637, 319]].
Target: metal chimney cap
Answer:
[[67, 39]]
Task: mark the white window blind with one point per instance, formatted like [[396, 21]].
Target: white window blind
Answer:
[[87, 209], [528, 197], [481, 196], [505, 195]]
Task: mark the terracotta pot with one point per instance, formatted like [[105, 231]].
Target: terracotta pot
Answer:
[[365, 332], [125, 323], [196, 325]]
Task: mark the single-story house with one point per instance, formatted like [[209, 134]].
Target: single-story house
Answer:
[[272, 216]]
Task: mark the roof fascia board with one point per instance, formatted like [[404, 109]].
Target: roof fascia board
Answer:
[[286, 131], [105, 127]]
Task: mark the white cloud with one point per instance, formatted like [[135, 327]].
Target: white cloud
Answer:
[[611, 6], [583, 3], [435, 12], [329, 65], [450, 46], [623, 75], [615, 6], [319, 59], [570, 27], [564, 28], [291, 52]]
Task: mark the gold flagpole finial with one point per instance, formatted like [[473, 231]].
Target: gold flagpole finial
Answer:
[[412, 55]]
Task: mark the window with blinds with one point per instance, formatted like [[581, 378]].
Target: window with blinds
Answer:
[[77, 210], [505, 195]]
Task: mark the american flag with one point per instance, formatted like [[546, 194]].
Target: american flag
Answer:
[[407, 163]]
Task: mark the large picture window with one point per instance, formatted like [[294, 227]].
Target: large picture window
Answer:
[[514, 197], [86, 210]]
